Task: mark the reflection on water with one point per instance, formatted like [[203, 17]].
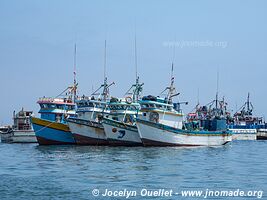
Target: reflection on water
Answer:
[[29, 171]]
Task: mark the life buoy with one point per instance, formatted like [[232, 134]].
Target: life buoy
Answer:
[[129, 100], [154, 117]]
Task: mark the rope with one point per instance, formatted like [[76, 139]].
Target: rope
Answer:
[[44, 127]]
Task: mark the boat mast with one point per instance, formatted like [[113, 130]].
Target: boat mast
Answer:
[[198, 102], [248, 103], [137, 86], [105, 93], [105, 85], [74, 74], [135, 58], [71, 91], [217, 90], [171, 89]]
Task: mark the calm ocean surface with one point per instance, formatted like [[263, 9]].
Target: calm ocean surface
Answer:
[[29, 171]]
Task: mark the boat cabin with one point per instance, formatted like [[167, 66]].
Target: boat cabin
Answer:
[[158, 110], [88, 108], [56, 109], [22, 120], [121, 110]]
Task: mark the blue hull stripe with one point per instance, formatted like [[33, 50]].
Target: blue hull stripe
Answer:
[[53, 134]]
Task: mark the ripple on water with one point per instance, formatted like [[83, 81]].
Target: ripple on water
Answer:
[[70, 172]]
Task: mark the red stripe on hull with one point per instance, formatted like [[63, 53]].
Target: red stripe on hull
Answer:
[[261, 137], [83, 140], [152, 143], [113, 142], [44, 141], [147, 143]]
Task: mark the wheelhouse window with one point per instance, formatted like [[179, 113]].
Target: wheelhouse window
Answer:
[[115, 118], [131, 108], [70, 107], [159, 106], [59, 106]]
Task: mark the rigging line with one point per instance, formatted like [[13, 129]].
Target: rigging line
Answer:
[[45, 127]]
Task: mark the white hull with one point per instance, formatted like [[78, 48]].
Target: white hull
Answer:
[[6, 137], [86, 134], [244, 134], [119, 134], [18, 136], [155, 136], [262, 134], [24, 137]]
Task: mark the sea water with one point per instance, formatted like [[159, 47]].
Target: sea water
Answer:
[[30, 171]]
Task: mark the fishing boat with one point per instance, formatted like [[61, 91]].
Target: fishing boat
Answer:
[[6, 133], [51, 128], [161, 124], [262, 132], [119, 125], [86, 126], [244, 124], [22, 128], [21, 131]]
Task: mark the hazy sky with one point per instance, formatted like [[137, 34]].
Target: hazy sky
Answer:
[[37, 39]]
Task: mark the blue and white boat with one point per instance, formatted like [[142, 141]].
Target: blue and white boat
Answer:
[[161, 124], [262, 132], [120, 127], [244, 124], [51, 128], [86, 127]]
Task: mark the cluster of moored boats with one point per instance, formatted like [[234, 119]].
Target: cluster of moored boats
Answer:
[[133, 120]]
